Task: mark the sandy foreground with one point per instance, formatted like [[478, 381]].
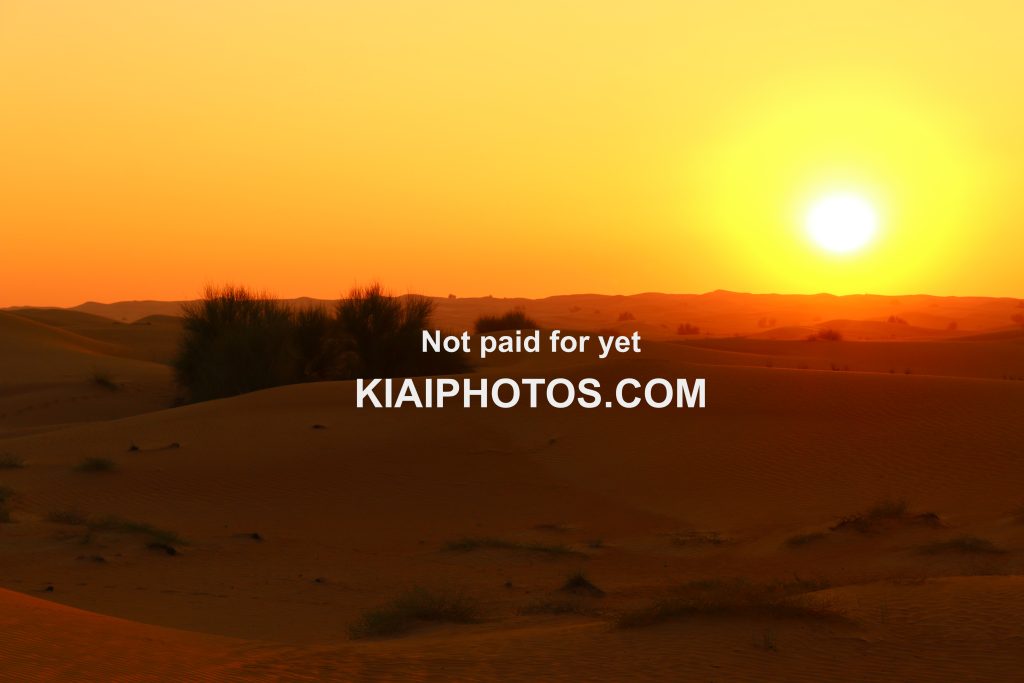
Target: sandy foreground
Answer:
[[291, 514]]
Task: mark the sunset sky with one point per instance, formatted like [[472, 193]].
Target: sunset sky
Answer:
[[526, 148]]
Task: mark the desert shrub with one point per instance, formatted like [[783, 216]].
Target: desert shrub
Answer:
[[895, 319], [887, 514], [123, 526], [801, 540], [9, 461], [579, 584], [971, 545], [417, 604], [96, 465], [488, 543], [827, 334], [556, 606], [234, 340], [516, 319], [385, 335], [732, 598], [626, 316], [69, 517], [321, 353], [687, 328], [105, 380]]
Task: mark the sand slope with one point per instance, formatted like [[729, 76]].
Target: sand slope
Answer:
[[291, 513]]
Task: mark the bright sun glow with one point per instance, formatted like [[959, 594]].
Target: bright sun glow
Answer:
[[841, 222]]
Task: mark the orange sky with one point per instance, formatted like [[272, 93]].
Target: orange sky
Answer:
[[532, 148]]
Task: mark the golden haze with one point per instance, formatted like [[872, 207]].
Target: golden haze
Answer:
[[151, 147]]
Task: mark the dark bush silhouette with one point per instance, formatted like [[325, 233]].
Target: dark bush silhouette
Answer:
[[321, 352], [827, 334], [626, 316], [516, 319], [384, 332], [687, 328], [235, 341]]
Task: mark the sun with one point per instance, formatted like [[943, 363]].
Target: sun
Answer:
[[841, 222]]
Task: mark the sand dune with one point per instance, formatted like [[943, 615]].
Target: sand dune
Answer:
[[52, 375], [285, 534]]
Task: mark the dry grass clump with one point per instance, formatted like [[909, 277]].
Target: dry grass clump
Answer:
[[489, 543], [579, 584], [105, 380], [968, 545], [801, 540], [96, 465], [557, 607], [417, 604], [9, 461], [516, 319], [69, 517], [827, 334], [885, 515], [732, 598], [154, 535], [697, 538]]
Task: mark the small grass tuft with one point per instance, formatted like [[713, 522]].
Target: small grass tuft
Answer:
[[579, 584], [155, 534], [417, 604], [732, 598], [96, 465], [887, 514], [801, 540], [9, 461], [556, 607], [69, 517], [487, 543], [968, 545], [105, 380], [697, 538]]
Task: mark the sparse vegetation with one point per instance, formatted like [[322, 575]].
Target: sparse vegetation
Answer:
[[96, 465], [9, 461], [105, 380], [236, 340], [687, 329], [827, 334], [579, 584], [626, 316], [732, 598], [154, 535], [384, 331], [801, 540], [516, 319], [969, 545], [896, 320], [696, 538], [887, 513], [418, 604], [556, 606], [69, 517], [488, 543]]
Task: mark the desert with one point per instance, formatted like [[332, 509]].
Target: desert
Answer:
[[825, 517]]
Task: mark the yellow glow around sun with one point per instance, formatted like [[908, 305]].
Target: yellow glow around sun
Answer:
[[841, 222]]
